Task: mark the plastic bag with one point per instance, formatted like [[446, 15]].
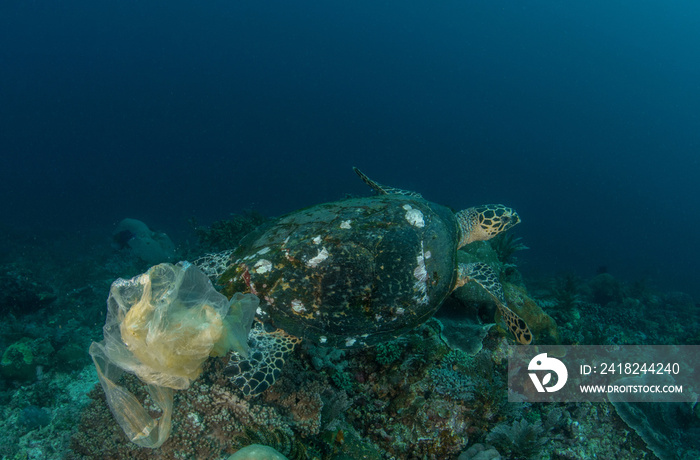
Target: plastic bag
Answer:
[[161, 326]]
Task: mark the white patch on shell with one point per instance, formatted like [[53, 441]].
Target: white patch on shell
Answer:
[[262, 266], [297, 306], [414, 216], [419, 273], [345, 224], [317, 239], [421, 276], [320, 257], [400, 311], [322, 339], [350, 341]]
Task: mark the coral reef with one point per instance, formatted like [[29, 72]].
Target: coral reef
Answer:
[[430, 394], [388, 352]]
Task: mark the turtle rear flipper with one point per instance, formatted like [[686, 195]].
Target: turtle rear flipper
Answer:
[[485, 276], [385, 189], [268, 353]]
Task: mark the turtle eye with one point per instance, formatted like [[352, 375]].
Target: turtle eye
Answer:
[[505, 219]]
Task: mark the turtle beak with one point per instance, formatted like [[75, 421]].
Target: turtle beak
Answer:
[[510, 220]]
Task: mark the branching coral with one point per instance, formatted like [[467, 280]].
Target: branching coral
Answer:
[[389, 352]]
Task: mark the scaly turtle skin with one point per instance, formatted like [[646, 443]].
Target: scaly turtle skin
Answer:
[[356, 272]]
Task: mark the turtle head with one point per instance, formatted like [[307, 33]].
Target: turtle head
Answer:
[[482, 223]]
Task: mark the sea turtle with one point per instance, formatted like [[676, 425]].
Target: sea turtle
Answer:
[[353, 273]]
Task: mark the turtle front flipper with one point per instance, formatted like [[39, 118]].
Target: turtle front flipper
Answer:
[[268, 353], [486, 277], [385, 189]]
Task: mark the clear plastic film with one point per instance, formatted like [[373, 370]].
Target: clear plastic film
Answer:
[[161, 326]]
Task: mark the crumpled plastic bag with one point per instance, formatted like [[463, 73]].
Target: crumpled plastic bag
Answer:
[[161, 326]]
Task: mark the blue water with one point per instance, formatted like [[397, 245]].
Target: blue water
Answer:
[[581, 115]]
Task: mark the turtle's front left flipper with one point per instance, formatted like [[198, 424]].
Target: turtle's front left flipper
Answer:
[[485, 276], [268, 353]]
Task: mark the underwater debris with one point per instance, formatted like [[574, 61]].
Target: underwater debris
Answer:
[[162, 326]]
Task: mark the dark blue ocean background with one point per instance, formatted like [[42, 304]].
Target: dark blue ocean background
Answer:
[[584, 116]]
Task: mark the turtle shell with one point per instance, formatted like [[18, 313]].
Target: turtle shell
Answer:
[[350, 273]]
